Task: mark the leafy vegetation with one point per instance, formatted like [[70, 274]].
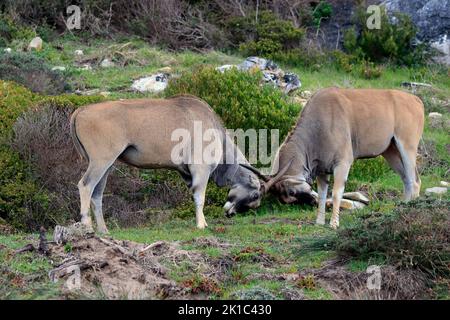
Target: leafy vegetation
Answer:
[[393, 41], [413, 235], [32, 72], [239, 98]]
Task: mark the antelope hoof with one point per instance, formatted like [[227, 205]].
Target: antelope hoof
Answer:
[[334, 225], [320, 221], [87, 223], [202, 225], [102, 230]]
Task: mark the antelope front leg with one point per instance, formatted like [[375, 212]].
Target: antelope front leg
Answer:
[[199, 183], [322, 189], [340, 177]]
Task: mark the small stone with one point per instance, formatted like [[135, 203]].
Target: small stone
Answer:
[[78, 52], [346, 204], [356, 196], [106, 63], [7, 50], [225, 67], [306, 94], [36, 44], [444, 184], [435, 115], [105, 93], [435, 190], [86, 67], [167, 70], [58, 68]]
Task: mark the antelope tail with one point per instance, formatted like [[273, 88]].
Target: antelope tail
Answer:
[[73, 132]]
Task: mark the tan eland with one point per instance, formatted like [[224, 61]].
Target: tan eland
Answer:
[[338, 126]]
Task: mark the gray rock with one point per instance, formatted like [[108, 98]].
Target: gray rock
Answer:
[[106, 63], [436, 190], [154, 83], [432, 18]]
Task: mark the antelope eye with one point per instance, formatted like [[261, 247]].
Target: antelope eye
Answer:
[[255, 196], [291, 193]]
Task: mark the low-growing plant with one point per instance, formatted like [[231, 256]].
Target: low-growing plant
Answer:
[[414, 235], [369, 70], [31, 72], [323, 10], [10, 30], [264, 36], [394, 41]]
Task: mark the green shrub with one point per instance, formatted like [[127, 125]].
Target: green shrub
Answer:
[[344, 61], [9, 30], [265, 36], [414, 235], [25, 203], [239, 98], [322, 11], [394, 41], [32, 72], [369, 70], [14, 100], [309, 57], [369, 170]]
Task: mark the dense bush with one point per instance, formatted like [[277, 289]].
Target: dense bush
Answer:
[[32, 72], [413, 235], [323, 10], [305, 57], [9, 31], [394, 41], [266, 36], [239, 98], [24, 202]]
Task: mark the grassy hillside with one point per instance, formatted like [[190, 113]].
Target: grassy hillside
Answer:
[[276, 251]]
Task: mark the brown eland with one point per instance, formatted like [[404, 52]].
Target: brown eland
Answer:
[[338, 126], [140, 133]]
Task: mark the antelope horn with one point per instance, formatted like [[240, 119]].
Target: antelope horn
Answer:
[[272, 181], [255, 171]]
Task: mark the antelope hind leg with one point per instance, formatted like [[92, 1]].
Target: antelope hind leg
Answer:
[[322, 189], [340, 178], [96, 200]]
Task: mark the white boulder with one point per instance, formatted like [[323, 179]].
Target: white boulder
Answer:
[[36, 44], [436, 190], [7, 50], [356, 196], [154, 83], [106, 63], [78, 52]]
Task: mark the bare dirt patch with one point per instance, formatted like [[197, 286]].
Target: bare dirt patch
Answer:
[[344, 284], [113, 269]]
